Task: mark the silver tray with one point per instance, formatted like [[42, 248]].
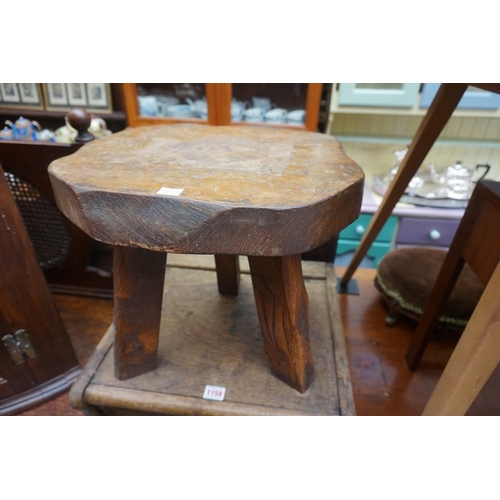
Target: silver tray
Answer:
[[425, 192]]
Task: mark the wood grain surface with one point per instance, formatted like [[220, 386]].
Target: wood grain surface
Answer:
[[27, 304], [246, 190], [381, 381], [283, 306], [138, 290], [228, 274], [476, 243], [473, 360], [209, 339]]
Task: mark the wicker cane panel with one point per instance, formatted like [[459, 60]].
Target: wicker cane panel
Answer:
[[46, 226]]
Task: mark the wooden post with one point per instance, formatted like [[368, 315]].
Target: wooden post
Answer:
[[476, 356], [445, 282], [441, 109], [283, 309], [138, 288], [228, 274]]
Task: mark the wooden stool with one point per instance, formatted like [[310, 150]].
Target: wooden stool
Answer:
[[268, 193]]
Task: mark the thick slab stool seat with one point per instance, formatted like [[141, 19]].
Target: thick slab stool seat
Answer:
[[268, 193]]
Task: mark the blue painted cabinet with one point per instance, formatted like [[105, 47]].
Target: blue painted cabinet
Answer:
[[350, 237], [473, 98]]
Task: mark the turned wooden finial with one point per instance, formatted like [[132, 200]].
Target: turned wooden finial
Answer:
[[80, 120]]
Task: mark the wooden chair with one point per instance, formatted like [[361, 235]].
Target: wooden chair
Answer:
[[478, 351], [63, 250], [476, 242]]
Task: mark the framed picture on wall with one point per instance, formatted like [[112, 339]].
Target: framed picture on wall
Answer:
[[94, 97], [21, 95], [29, 93], [77, 94], [10, 92], [56, 96], [99, 96]]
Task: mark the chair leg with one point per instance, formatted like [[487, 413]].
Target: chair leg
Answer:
[[138, 288], [433, 123], [445, 281], [473, 360], [283, 309], [436, 301], [228, 274]]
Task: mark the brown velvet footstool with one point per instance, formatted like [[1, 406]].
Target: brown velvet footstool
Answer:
[[406, 276]]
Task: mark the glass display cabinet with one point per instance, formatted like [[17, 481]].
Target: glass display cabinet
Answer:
[[283, 104]]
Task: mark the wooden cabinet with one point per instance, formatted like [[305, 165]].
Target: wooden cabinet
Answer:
[[37, 360], [284, 104], [64, 251], [414, 231], [398, 232], [115, 120]]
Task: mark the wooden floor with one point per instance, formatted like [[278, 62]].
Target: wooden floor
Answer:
[[381, 382]]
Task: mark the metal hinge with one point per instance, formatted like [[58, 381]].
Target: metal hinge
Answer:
[[19, 345]]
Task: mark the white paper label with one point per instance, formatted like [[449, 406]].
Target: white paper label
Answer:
[[170, 191], [214, 392]]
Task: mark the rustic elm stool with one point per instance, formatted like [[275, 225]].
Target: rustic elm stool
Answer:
[[268, 193]]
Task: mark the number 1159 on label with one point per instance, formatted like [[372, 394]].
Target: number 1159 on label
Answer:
[[214, 392]]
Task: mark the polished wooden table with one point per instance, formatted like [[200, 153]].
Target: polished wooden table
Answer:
[[268, 193]]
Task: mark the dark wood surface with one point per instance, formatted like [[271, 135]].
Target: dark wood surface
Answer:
[[138, 290], [26, 304], [247, 190], [29, 162], [80, 120], [228, 274], [381, 381]]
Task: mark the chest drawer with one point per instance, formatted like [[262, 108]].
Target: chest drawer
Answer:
[[357, 229], [429, 232]]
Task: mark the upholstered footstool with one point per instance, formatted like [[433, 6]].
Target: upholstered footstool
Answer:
[[406, 276]]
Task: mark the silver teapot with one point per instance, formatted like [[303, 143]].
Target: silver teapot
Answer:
[[458, 178]]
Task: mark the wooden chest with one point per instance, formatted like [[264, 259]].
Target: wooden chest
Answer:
[[209, 339]]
